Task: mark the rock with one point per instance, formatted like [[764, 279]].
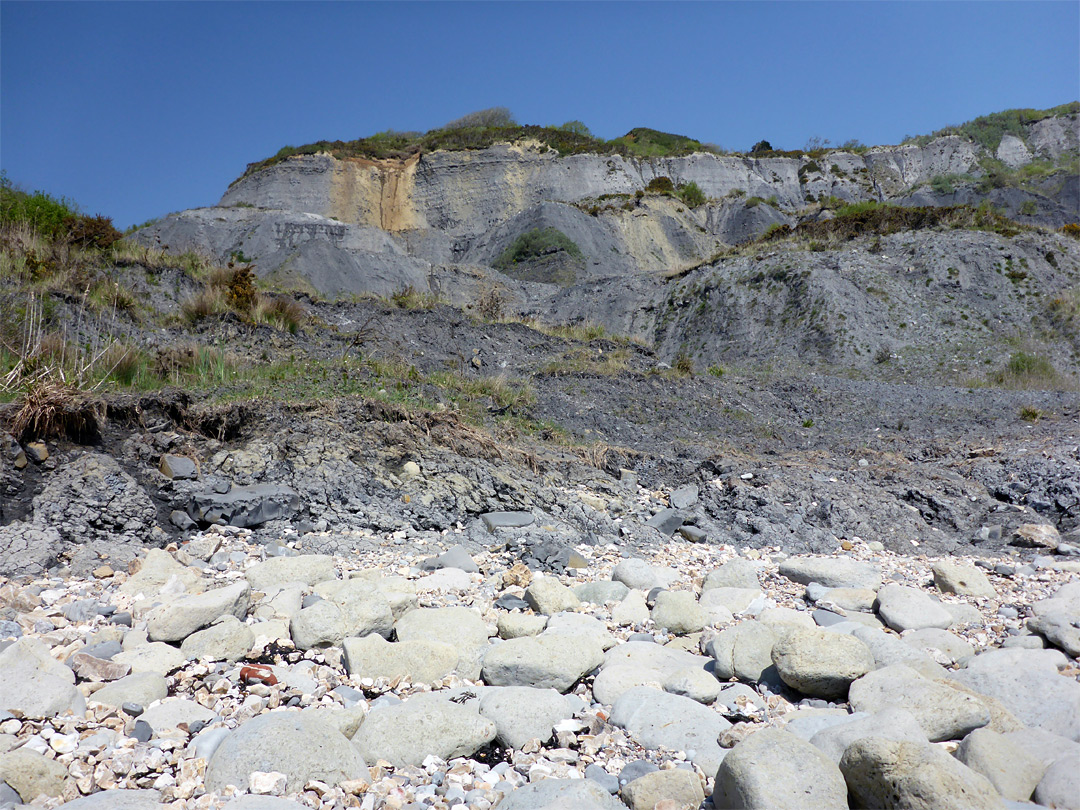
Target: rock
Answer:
[[252, 802], [244, 506], [363, 605], [694, 683], [601, 592], [850, 599], [180, 468], [308, 569], [943, 712], [547, 595], [37, 451], [27, 550], [820, 664], [516, 625], [1060, 629], [631, 610], [521, 713], [346, 721], [832, 572], [888, 649], [225, 640], [1060, 785], [903, 608], [561, 794], [169, 714], [506, 520], [891, 723], [680, 787], [156, 657], [666, 521], [34, 684], [118, 800], [320, 625], [655, 718], [1036, 535], [1027, 683], [678, 612], [638, 575], [180, 617], [777, 770], [160, 572], [300, 746], [944, 647], [884, 773], [743, 651], [420, 660], [406, 733], [460, 627], [783, 619], [90, 668], [579, 624], [684, 497], [952, 576], [455, 557], [182, 521], [544, 661], [32, 774], [640, 663], [734, 600], [693, 534], [142, 688], [1012, 771], [735, 573]]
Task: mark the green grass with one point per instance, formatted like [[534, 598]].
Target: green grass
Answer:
[[1026, 370], [536, 244], [988, 130]]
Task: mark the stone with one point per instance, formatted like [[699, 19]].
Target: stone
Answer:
[[1060, 629], [891, 723], [680, 787], [363, 606], [735, 573], [141, 688], [225, 640], [638, 575], [181, 616], [693, 534], [820, 664], [943, 712], [544, 661], [346, 721], [944, 647], [850, 599], [666, 521], [1060, 785], [1036, 535], [27, 549], [1012, 771], [521, 714], [156, 657], [632, 610], [734, 600], [743, 651], [784, 619], [319, 625], [118, 800], [580, 624], [888, 649], [684, 497], [300, 746], [262, 783], [90, 668], [32, 774], [516, 625], [655, 718], [171, 713], [182, 521], [963, 614], [159, 570], [244, 506], [601, 592], [832, 572], [253, 802], [307, 569], [777, 770], [678, 612], [883, 773], [37, 451], [903, 608], [454, 557], [407, 733], [694, 683], [964, 579], [506, 520], [35, 685], [179, 468], [460, 627], [561, 794], [420, 660], [547, 595], [641, 663]]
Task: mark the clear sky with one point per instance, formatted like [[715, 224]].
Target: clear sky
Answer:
[[136, 109]]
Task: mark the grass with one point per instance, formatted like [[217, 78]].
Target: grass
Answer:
[[1064, 312], [586, 362], [988, 130], [536, 244], [1027, 371]]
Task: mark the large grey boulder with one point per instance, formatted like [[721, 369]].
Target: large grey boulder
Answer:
[[560, 794], [580, 624], [244, 506], [819, 663], [733, 600], [34, 684], [32, 774], [299, 745], [459, 627], [420, 660], [363, 605], [638, 575], [546, 595], [779, 771], [156, 656], [888, 649], [903, 608], [521, 713], [656, 718], [1059, 628], [308, 569], [545, 661], [178, 618], [894, 774], [1012, 771], [641, 663], [832, 572], [891, 723], [118, 800], [678, 787], [406, 733], [679, 612], [140, 687], [743, 651], [27, 550], [941, 645], [225, 640], [965, 579], [601, 591], [943, 712], [1060, 785], [159, 570], [735, 573]]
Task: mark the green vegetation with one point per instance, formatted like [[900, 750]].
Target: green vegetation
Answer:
[[53, 218], [691, 194], [660, 185], [1025, 370], [988, 130], [535, 244]]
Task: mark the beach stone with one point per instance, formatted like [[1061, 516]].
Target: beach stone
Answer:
[[903, 608], [892, 723], [421, 660], [118, 800], [318, 625], [694, 683], [547, 595], [952, 576], [601, 592], [735, 573], [941, 645], [158, 570], [1036, 535], [446, 579], [638, 575], [888, 649], [454, 557], [884, 773], [783, 619], [506, 520], [681, 788], [832, 572], [656, 718], [632, 610], [963, 614], [521, 713], [561, 794], [179, 468], [1060, 785], [459, 627], [678, 612], [1060, 629], [547, 661], [156, 657], [363, 605], [346, 721], [308, 569], [666, 521], [225, 640], [820, 664], [777, 770], [32, 774], [91, 668], [850, 599], [734, 600], [684, 497], [181, 616], [640, 663], [171, 712], [943, 712], [141, 688], [406, 733], [253, 802], [743, 651], [516, 625], [580, 624], [1012, 771], [300, 746], [36, 685], [1045, 746]]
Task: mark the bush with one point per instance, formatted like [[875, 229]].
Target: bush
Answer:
[[281, 312], [660, 185], [942, 185], [48, 215], [533, 244], [760, 147], [1071, 229], [692, 195], [576, 128], [1025, 370], [491, 117]]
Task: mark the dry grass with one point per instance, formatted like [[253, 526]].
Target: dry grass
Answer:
[[53, 408], [279, 311], [585, 361]]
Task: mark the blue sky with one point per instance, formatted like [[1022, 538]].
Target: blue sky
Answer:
[[135, 109]]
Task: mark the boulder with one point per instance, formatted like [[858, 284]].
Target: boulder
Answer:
[[142, 688], [735, 600], [546, 595], [307, 569], [225, 640], [159, 570], [32, 774], [640, 663], [516, 625], [1060, 785], [406, 733], [832, 572], [891, 723], [694, 683], [735, 573], [1059, 628], [655, 718], [903, 608], [117, 800], [561, 794], [460, 627], [179, 468], [638, 575], [244, 506], [678, 612], [944, 647], [680, 789], [1012, 771], [156, 657], [169, 714], [521, 713], [632, 610], [547, 661], [580, 624], [181, 616], [420, 660], [743, 651], [34, 684], [27, 550], [952, 576], [888, 649], [820, 664], [1036, 535], [601, 592]]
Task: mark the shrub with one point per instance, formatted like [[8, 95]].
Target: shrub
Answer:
[[761, 146], [1071, 229], [46, 214], [942, 185], [533, 244], [93, 232], [411, 298], [692, 195], [576, 128], [489, 306], [240, 293], [683, 364], [280, 311], [1025, 370], [1029, 208], [660, 185], [491, 117]]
